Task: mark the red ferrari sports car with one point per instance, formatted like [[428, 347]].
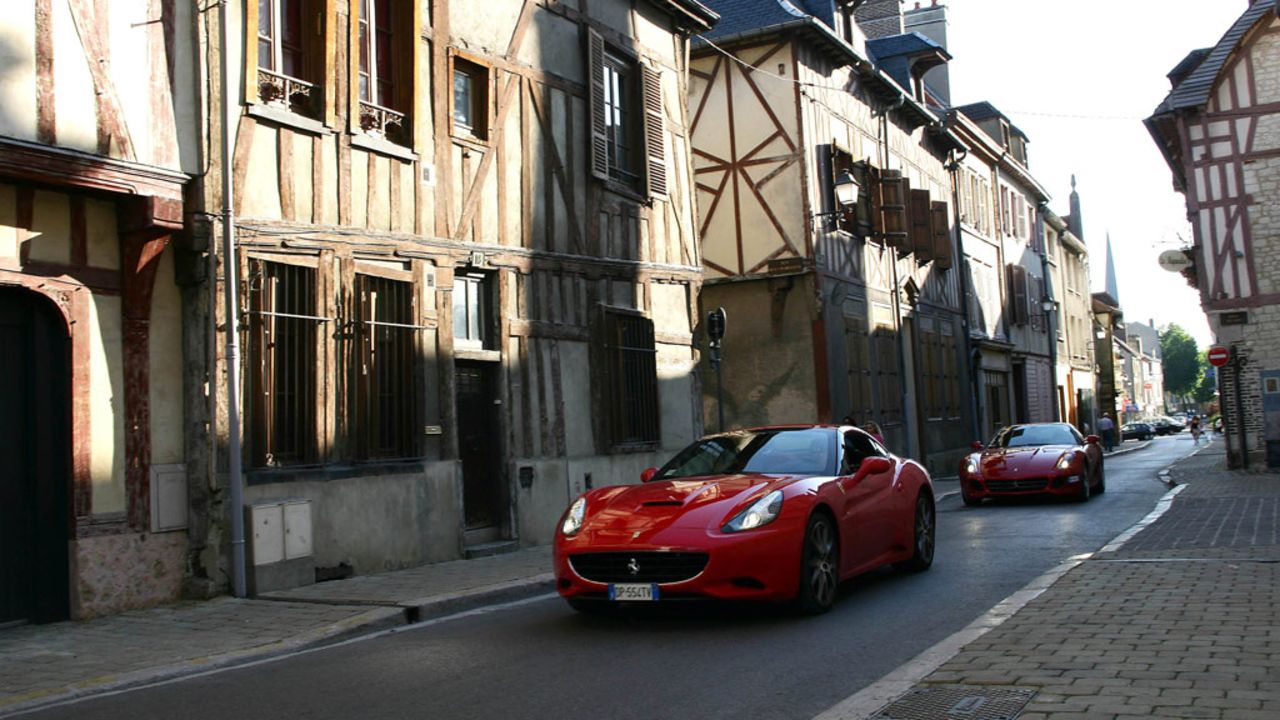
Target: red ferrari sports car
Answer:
[[1045, 458], [772, 513]]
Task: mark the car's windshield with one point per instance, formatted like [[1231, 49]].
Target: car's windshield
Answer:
[[776, 452], [1032, 435]]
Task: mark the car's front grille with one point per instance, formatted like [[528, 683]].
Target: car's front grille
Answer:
[[1027, 485], [649, 567]]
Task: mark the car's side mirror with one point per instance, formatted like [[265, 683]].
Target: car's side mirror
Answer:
[[875, 465], [648, 474], [976, 444], [1093, 439]]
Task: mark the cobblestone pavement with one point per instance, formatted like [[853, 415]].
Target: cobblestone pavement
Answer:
[[1182, 621]]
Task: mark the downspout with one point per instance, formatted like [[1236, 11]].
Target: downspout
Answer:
[[1052, 317], [912, 450], [230, 278], [962, 268]]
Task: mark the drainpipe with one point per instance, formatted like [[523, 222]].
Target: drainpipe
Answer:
[[230, 278], [962, 268], [912, 436]]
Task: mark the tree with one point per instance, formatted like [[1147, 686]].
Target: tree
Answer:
[[1208, 386], [1182, 361]]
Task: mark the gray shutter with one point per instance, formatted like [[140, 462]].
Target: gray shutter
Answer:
[[654, 135], [599, 140]]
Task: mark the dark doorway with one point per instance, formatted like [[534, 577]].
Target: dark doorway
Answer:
[[35, 442], [480, 447], [1020, 393]]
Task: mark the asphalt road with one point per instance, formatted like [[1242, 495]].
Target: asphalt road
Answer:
[[539, 659]]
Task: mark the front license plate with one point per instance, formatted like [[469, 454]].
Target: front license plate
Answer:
[[631, 592]]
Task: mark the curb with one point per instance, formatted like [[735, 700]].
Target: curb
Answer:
[[372, 620]]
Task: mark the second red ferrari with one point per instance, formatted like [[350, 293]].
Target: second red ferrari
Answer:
[[1044, 458]]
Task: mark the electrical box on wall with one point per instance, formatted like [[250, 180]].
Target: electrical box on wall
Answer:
[[168, 497], [280, 547]]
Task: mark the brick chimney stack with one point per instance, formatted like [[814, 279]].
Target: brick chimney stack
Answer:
[[931, 22], [880, 18]]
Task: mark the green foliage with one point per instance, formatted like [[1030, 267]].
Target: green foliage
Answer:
[[1207, 388], [1183, 362]]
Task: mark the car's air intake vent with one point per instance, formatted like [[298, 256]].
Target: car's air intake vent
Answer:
[[651, 567], [1027, 485]]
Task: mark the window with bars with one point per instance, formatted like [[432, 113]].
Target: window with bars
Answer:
[[385, 384], [282, 363], [631, 384], [627, 128]]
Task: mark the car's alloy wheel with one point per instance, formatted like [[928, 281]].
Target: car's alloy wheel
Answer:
[[924, 536], [819, 566]]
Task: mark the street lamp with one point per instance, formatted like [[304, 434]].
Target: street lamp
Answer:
[[846, 190]]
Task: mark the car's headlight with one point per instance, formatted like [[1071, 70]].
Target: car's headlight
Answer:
[[761, 512], [1065, 462], [573, 519], [971, 467]]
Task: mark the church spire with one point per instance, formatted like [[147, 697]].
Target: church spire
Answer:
[[1075, 223], [1113, 287]]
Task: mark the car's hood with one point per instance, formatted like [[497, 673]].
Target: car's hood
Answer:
[[1021, 461], [635, 513]]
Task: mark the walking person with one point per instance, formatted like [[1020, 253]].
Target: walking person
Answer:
[[1107, 428], [1195, 429]]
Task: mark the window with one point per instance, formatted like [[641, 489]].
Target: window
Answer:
[[885, 341], [470, 99], [859, 446], [859, 372], [627, 129], [631, 379], [289, 54], [282, 363], [470, 312], [1018, 295], [386, 398], [383, 42]]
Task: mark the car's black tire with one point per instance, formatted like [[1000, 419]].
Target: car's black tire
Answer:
[[1102, 479], [923, 535], [1086, 491], [819, 565], [969, 500]]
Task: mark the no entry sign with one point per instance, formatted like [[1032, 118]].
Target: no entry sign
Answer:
[[1218, 356]]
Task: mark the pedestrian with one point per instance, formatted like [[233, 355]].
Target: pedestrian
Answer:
[[1195, 428], [1107, 427], [874, 431]]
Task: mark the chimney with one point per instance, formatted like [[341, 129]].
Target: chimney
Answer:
[[931, 22], [879, 18]]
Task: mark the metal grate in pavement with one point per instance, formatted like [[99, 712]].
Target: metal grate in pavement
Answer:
[[958, 702]]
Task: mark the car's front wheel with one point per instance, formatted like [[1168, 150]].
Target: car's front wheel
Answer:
[[924, 535], [819, 566]]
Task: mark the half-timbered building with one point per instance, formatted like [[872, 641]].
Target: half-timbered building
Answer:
[[97, 145], [834, 311], [1219, 130], [468, 269], [1072, 328]]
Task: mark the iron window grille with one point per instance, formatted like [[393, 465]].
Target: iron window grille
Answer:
[[386, 388], [282, 363], [631, 386]]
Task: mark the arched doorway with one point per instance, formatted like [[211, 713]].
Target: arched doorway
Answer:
[[35, 458]]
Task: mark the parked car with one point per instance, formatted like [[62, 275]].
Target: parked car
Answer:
[[769, 514], [1041, 458], [1180, 419], [1166, 426], [1138, 431]]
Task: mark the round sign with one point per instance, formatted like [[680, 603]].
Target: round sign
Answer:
[[1218, 356], [1174, 260]]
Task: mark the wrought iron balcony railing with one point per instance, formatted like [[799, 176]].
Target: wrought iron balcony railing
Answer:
[[298, 96]]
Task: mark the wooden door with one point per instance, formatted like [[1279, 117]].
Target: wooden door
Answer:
[[479, 446], [34, 459]]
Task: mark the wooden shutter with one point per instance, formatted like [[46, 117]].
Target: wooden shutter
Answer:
[[921, 230], [940, 229], [1018, 294], [654, 133], [599, 138], [891, 210]]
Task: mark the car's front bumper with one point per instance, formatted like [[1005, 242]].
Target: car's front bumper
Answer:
[[979, 488], [761, 564]]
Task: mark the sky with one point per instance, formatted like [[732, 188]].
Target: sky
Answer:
[[1078, 77]]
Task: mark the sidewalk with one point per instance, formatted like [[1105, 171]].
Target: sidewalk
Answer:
[[45, 664], [1179, 621]]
